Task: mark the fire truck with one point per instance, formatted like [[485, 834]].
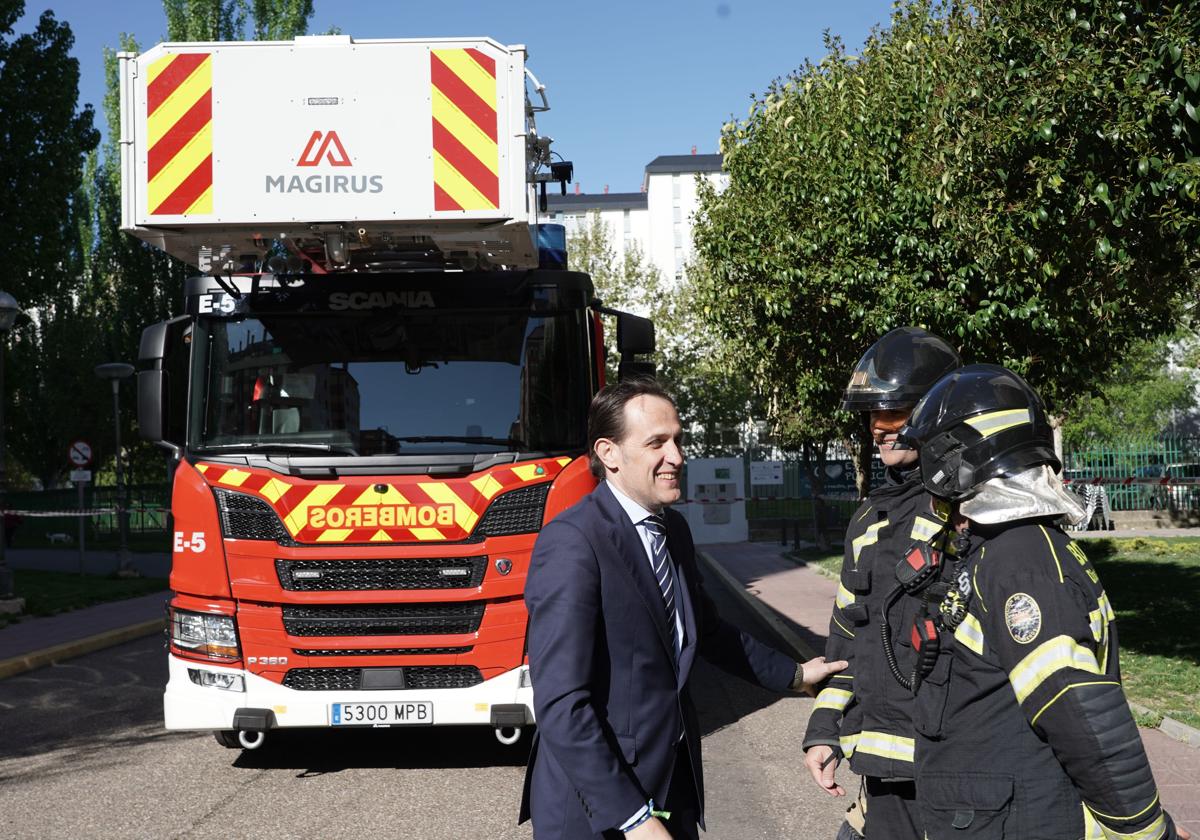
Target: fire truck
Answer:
[[376, 393]]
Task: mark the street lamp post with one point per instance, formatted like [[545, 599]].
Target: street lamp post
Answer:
[[115, 372], [8, 316]]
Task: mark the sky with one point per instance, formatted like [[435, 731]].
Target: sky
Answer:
[[627, 81]]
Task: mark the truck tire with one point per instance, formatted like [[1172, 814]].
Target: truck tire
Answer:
[[227, 738]]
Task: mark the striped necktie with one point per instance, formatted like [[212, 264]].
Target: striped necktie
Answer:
[[656, 526]]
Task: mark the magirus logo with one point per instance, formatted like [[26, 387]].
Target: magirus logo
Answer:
[[324, 147]]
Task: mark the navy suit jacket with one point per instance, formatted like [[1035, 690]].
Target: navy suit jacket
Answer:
[[610, 697]]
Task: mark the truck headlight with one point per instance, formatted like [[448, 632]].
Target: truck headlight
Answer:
[[213, 679], [205, 634]]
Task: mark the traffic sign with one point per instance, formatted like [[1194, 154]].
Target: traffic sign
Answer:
[[80, 453], [83, 476]]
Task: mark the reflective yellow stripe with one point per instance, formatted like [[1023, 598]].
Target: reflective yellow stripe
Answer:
[[886, 746], [234, 478], [1033, 721], [865, 512], [925, 529], [1047, 659], [848, 743], [869, 537], [274, 489], [844, 597], [1096, 830], [997, 421], [1053, 553], [845, 629], [833, 698], [1102, 600], [941, 509], [970, 633], [487, 486]]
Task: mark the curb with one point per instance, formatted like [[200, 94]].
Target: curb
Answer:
[[69, 650], [1169, 726], [800, 650]]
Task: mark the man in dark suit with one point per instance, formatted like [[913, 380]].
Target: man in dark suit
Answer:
[[617, 615]]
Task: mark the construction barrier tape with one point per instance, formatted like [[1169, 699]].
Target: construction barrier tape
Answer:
[[49, 513]]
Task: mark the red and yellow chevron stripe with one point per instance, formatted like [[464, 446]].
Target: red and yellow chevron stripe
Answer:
[[466, 156], [354, 511], [179, 167]]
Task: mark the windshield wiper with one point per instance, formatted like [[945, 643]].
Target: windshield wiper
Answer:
[[283, 445], [462, 439]]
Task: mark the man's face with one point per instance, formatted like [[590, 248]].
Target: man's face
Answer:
[[884, 425], [645, 463]]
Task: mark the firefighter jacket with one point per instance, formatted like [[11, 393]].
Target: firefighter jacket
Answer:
[[864, 710], [1023, 728]]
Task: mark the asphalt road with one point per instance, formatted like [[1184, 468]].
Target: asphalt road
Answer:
[[83, 754]]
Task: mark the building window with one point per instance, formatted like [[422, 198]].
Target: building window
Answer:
[[678, 239], [677, 214], [675, 185]]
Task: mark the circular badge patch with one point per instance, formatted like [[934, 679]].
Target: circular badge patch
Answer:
[[1023, 617]]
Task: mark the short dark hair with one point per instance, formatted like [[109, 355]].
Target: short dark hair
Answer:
[[606, 415]]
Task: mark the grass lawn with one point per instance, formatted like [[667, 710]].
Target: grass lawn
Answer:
[[1154, 587], [47, 593]]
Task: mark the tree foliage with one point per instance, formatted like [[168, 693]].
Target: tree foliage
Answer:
[[1020, 176], [90, 289], [1153, 384], [46, 138], [713, 396]]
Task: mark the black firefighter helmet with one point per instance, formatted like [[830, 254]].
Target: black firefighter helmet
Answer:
[[898, 369], [977, 423]]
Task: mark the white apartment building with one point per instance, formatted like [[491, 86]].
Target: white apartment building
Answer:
[[658, 219]]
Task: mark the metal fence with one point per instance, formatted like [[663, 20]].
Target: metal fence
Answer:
[[1163, 458], [149, 506]]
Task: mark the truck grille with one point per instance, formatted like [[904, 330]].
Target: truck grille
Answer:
[[390, 620], [362, 575], [351, 679], [514, 512], [424, 651], [245, 517]]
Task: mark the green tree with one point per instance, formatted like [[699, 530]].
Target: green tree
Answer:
[[1142, 394], [1020, 176], [46, 137], [692, 360]]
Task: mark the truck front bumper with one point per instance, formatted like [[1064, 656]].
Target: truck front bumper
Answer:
[[187, 705]]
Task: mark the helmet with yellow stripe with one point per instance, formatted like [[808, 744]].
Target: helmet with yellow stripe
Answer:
[[977, 423]]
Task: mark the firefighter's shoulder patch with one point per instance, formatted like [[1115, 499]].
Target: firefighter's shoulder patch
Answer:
[[1023, 617]]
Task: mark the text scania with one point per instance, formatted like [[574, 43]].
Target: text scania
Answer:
[[381, 516], [325, 184], [422, 299]]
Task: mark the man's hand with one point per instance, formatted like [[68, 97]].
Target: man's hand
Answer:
[[822, 763], [651, 829], [812, 672], [1183, 833]]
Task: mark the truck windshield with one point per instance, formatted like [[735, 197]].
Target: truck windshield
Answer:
[[391, 382]]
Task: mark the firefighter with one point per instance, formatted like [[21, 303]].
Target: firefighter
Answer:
[[1023, 730], [863, 714]]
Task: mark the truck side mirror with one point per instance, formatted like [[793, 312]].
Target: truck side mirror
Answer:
[[162, 383], [635, 337]]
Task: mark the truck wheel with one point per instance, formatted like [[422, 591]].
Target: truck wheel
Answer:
[[227, 738]]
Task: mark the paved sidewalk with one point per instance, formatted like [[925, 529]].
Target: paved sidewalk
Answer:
[[802, 599], [35, 642]]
